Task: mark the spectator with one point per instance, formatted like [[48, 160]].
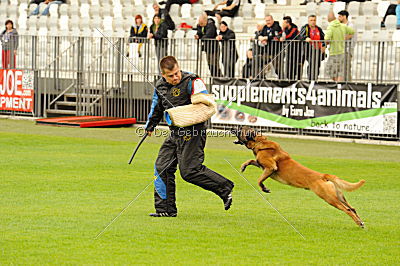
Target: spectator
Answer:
[[308, 1], [9, 41], [314, 48], [259, 50], [335, 35], [294, 54], [139, 32], [398, 14], [271, 34], [46, 10], [232, 7], [168, 3], [229, 53], [159, 32], [164, 15], [349, 43], [248, 68], [37, 2], [207, 32]]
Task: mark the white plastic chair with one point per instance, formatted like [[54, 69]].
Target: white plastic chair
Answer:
[[375, 23], [359, 23], [185, 10], [338, 6], [259, 10], [391, 22], [382, 8], [117, 11], [311, 8], [367, 8], [84, 10], [238, 24], [247, 10], [324, 9], [354, 8]]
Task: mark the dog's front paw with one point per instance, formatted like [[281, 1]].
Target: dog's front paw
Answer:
[[243, 167], [266, 190]]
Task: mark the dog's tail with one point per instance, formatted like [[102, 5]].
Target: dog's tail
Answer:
[[343, 184]]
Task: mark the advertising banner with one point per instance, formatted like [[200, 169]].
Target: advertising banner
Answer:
[[16, 90], [358, 108]]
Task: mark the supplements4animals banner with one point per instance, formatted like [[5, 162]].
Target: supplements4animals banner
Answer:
[[16, 90], [360, 108]]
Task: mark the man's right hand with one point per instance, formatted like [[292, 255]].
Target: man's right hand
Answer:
[[149, 133]]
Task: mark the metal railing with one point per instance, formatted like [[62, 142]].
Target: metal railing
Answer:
[[114, 76]]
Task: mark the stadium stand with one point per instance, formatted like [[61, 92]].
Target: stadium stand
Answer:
[[82, 17]]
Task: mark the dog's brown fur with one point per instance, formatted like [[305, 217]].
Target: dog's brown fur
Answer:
[[277, 164]]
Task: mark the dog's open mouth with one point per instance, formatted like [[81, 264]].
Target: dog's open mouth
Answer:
[[244, 135]]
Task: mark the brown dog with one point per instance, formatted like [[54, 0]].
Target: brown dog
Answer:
[[277, 164]]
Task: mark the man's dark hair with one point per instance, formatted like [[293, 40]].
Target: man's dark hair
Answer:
[[312, 16], [344, 13], [168, 62], [288, 19]]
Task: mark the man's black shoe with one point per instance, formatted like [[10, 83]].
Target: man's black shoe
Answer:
[[162, 3], [163, 214], [228, 201], [304, 3]]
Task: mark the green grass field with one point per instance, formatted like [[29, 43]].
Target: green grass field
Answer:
[[60, 186]]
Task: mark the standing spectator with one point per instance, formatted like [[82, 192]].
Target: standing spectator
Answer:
[[314, 48], [229, 53], [46, 10], [232, 7], [398, 14], [271, 34], [248, 68], [159, 32], [9, 41], [336, 35], [164, 15], [259, 50], [139, 32], [168, 3], [207, 32], [294, 52], [349, 43]]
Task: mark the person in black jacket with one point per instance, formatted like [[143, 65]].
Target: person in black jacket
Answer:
[[164, 15], [207, 32], [259, 51], [248, 68], [184, 147], [139, 32], [159, 32], [314, 46], [229, 53], [270, 35], [294, 51]]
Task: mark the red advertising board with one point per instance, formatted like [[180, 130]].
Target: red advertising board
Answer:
[[16, 90]]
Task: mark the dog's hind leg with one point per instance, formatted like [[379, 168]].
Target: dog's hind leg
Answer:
[[328, 192], [347, 205], [249, 162]]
